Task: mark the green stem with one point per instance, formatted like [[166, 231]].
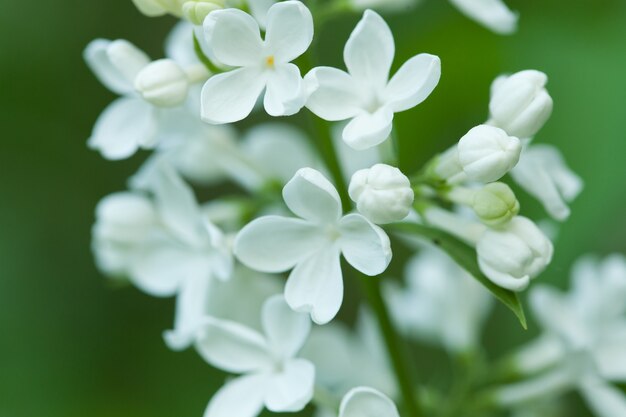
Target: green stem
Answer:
[[395, 347]]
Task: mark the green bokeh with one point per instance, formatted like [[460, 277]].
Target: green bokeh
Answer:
[[72, 345]]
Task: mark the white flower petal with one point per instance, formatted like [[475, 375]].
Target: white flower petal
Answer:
[[604, 399], [413, 82], [367, 402], [122, 128], [369, 51], [493, 14], [191, 307], [311, 196], [234, 37], [333, 95], [231, 96], [316, 286], [292, 389], [284, 95], [232, 347], [289, 30], [160, 267], [115, 63], [241, 397], [555, 314], [286, 330], [369, 129], [276, 244], [177, 204], [611, 361], [364, 245], [178, 45], [503, 279], [259, 9]]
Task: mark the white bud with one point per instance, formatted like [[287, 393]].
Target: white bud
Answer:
[[154, 8], [196, 11], [495, 204], [520, 103], [487, 153], [514, 254], [163, 83], [382, 193], [123, 221]]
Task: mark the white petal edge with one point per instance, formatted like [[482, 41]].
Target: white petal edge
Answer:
[[493, 14], [284, 94], [277, 244], [413, 82], [311, 196], [289, 30], [241, 397], [230, 96], [333, 94], [234, 37], [286, 329], [232, 347], [315, 286], [367, 402], [292, 389], [364, 245], [368, 129]]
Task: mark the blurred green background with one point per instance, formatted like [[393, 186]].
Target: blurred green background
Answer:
[[72, 345]]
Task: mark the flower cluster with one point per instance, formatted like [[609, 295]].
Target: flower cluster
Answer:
[[254, 266]]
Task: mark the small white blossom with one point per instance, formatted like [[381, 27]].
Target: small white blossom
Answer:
[[159, 244], [382, 193], [367, 402], [512, 255], [520, 103], [583, 345], [272, 376], [312, 245], [261, 64], [542, 172], [441, 302], [365, 94], [493, 14], [162, 83]]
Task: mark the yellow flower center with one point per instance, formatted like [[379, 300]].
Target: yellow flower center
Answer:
[[269, 61]]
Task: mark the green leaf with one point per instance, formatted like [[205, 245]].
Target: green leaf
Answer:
[[465, 256]]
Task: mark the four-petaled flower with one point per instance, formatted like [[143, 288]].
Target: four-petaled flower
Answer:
[[365, 94], [313, 244], [272, 376], [235, 39]]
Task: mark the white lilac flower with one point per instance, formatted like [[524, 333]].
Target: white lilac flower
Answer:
[[441, 302], [493, 14], [382, 193], [542, 172], [358, 357], [271, 374], [509, 255], [199, 298], [587, 333], [483, 154], [131, 122], [519, 103], [159, 244], [311, 245], [513, 254], [365, 94], [261, 64], [383, 5], [367, 402]]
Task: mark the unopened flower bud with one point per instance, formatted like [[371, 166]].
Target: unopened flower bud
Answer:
[[487, 153], [514, 254], [123, 221], [196, 11], [163, 83], [520, 103], [495, 204], [382, 193]]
